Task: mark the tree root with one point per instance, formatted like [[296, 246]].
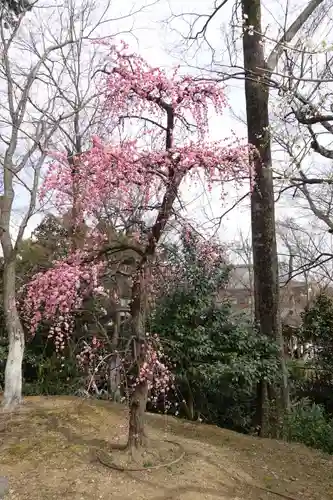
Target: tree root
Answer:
[[111, 465]]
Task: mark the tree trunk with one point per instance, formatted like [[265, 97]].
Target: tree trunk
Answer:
[[263, 415], [115, 379], [115, 363], [137, 436], [189, 403], [265, 262], [13, 373], [138, 399], [190, 407], [139, 303]]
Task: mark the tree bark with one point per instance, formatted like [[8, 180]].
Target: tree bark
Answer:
[[138, 399], [13, 373], [137, 436], [189, 403], [189, 406], [265, 262], [257, 73], [115, 378]]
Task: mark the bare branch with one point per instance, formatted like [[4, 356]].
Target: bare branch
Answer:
[[291, 32]]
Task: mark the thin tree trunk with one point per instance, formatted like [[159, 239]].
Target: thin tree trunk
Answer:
[[114, 380], [189, 404], [137, 436], [138, 399], [13, 373], [190, 407], [265, 262]]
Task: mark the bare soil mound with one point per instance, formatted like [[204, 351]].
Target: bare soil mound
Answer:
[[49, 451]]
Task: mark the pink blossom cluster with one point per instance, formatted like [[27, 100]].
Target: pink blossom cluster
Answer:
[[163, 275], [219, 161], [94, 360], [103, 170], [60, 331], [133, 85], [58, 293], [90, 353], [58, 174], [208, 251], [107, 168], [154, 369]]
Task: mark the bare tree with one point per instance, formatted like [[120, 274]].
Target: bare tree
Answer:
[[305, 253], [302, 129], [25, 137], [302, 133], [257, 72]]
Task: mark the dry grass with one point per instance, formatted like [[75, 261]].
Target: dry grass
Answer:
[[48, 452]]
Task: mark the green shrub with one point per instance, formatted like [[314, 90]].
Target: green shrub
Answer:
[[309, 424], [218, 357], [50, 376], [44, 374]]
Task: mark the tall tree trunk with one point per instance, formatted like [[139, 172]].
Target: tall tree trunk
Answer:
[[13, 373], [265, 262]]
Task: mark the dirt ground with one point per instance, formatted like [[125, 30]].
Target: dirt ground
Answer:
[[48, 451]]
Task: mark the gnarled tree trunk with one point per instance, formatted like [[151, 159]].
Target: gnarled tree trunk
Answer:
[[13, 373]]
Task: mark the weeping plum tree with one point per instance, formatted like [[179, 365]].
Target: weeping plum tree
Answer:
[[133, 91]]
